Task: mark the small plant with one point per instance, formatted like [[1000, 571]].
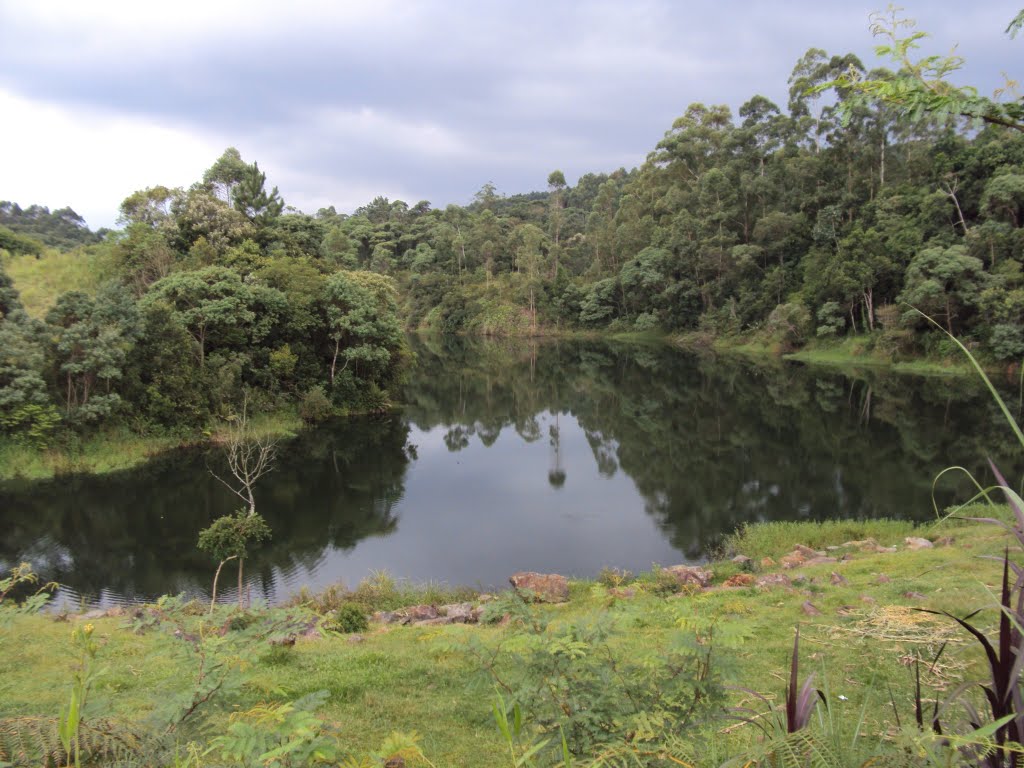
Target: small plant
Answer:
[[23, 576], [347, 619], [71, 718], [614, 577], [229, 538]]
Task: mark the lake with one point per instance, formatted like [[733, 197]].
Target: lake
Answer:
[[565, 456]]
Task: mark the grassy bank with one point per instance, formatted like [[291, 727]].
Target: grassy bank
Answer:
[[862, 634], [118, 449], [848, 353]]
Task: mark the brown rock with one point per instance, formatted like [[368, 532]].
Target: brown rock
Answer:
[[868, 543], [809, 608], [867, 599], [458, 612], [622, 592], [741, 559], [739, 580], [437, 621], [767, 562], [916, 542], [542, 587], [838, 580], [690, 574], [882, 579], [418, 613], [397, 761], [807, 552], [913, 595], [793, 560], [884, 550], [774, 580], [821, 560], [386, 617]]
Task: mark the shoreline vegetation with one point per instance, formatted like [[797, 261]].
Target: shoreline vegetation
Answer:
[[119, 448], [854, 589]]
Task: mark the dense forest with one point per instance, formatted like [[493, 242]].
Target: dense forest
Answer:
[[830, 217]]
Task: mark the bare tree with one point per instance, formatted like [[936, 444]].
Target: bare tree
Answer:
[[250, 456]]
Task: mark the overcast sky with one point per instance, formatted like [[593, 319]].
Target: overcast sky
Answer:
[[342, 101]]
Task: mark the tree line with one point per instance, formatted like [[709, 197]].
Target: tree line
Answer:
[[830, 216]]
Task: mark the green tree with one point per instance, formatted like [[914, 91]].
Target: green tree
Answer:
[[943, 282], [361, 310], [251, 198]]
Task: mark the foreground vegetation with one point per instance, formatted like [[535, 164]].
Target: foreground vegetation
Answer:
[[598, 670]]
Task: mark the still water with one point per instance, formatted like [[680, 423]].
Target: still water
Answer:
[[548, 456]]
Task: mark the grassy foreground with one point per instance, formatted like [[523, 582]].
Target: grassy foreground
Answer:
[[429, 679]]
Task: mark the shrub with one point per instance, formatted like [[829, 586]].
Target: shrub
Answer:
[[347, 619], [315, 405]]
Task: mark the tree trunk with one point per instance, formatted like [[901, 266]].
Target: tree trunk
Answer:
[[216, 576], [241, 597]]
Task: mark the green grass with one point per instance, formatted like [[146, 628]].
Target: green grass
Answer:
[[853, 352], [40, 281], [410, 678], [118, 448]]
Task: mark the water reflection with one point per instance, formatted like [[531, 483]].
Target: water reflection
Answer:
[[547, 456]]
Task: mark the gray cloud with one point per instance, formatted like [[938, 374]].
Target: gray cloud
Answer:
[[340, 102]]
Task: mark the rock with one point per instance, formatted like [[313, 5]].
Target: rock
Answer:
[[809, 608], [944, 541], [739, 580], [821, 560], [386, 617], [832, 548], [741, 559], [418, 613], [868, 543], [691, 574], [913, 595], [774, 580], [116, 612], [98, 613], [622, 592], [793, 560], [767, 562], [807, 552], [543, 587], [916, 542], [486, 598], [884, 550], [838, 580], [882, 579], [356, 639], [435, 622], [396, 761], [867, 599], [459, 612]]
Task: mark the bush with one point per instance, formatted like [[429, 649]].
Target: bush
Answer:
[[347, 619], [831, 319], [315, 406], [1007, 341], [789, 323]]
